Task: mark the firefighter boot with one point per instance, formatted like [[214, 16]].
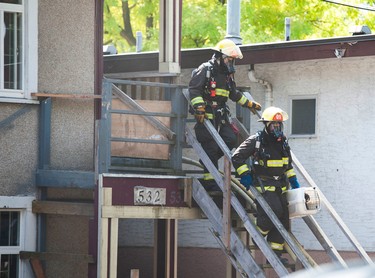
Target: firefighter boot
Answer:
[[278, 253], [284, 261]]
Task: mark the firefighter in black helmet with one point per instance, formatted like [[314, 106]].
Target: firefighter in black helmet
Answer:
[[270, 173], [211, 85]]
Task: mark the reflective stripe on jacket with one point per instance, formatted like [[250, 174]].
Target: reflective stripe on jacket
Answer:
[[272, 160]]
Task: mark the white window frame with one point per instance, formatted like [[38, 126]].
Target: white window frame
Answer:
[[29, 9], [28, 229], [303, 97]]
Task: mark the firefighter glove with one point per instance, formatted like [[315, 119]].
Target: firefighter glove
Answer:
[[247, 180], [253, 105], [200, 113], [294, 182]]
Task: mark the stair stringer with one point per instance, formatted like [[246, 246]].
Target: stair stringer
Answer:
[[237, 247]]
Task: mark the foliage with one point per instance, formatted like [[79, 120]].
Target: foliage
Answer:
[[139, 13], [309, 19], [204, 21]]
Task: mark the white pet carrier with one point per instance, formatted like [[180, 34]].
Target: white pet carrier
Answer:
[[303, 201]]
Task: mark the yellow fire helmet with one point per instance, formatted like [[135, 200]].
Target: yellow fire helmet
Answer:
[[229, 48], [273, 114]]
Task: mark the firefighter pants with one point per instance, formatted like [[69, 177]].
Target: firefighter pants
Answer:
[[209, 145], [278, 203]]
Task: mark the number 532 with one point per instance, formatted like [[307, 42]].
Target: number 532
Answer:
[[149, 196]]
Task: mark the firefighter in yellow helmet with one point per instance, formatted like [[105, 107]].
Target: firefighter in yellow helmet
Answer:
[[211, 84], [271, 171]]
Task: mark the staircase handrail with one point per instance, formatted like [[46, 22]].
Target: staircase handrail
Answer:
[[248, 224], [260, 199]]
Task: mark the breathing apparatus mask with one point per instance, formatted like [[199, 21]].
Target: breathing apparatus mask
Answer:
[[275, 129], [229, 63], [273, 118], [226, 64]]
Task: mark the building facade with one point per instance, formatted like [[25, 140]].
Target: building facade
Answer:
[[51, 72]]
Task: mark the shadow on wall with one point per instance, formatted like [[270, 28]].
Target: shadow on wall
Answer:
[[355, 269]]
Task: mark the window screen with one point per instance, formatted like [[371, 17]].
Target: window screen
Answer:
[[303, 116]]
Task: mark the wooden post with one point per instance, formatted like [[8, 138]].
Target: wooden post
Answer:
[[188, 191], [107, 200], [165, 248], [113, 248], [226, 203], [159, 242]]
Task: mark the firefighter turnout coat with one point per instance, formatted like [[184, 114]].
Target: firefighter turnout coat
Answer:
[[211, 86], [270, 170]]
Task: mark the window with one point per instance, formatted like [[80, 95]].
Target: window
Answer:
[[18, 64], [303, 116], [17, 233], [9, 236]]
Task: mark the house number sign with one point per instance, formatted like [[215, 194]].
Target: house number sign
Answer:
[[149, 196]]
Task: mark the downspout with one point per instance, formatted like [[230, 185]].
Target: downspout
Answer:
[[268, 90]]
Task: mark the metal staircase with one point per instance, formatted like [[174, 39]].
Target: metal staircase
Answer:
[[233, 247], [207, 205]]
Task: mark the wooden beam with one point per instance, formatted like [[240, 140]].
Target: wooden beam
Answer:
[[65, 179], [58, 95], [64, 208], [151, 212], [37, 267], [55, 256]]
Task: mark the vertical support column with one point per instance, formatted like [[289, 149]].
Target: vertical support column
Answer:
[[165, 248], [44, 162], [287, 28], [45, 133], [226, 212], [104, 144], [159, 252], [233, 21], [108, 257], [98, 62], [179, 108], [170, 36], [243, 235], [231, 271], [113, 248], [226, 203]]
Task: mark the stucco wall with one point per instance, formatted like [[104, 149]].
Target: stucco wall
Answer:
[[19, 149], [339, 159], [66, 66]]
